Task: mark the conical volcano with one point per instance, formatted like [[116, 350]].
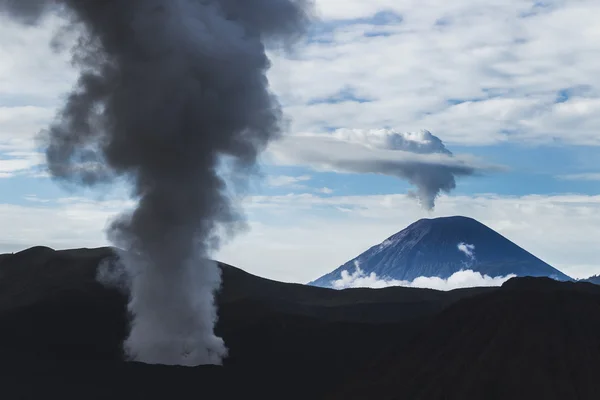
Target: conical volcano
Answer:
[[440, 247]]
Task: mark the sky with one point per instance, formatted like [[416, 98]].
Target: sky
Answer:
[[500, 98]]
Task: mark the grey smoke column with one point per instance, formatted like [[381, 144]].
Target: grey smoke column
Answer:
[[167, 88]]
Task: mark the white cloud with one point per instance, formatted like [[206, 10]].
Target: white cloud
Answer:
[[587, 176], [20, 124], [506, 68], [505, 61], [35, 199], [18, 163], [325, 190], [32, 82], [461, 279], [38, 76], [64, 223], [419, 142], [473, 71], [467, 249], [287, 181]]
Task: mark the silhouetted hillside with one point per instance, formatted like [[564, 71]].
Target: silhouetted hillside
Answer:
[[592, 279], [62, 332], [533, 338]]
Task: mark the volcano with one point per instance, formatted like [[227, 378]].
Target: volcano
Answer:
[[440, 247]]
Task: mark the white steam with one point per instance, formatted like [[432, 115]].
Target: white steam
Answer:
[[179, 298], [112, 274], [167, 328]]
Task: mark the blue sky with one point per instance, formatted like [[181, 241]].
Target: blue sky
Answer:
[[512, 84]]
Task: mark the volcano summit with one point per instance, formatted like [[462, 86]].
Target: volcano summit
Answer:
[[440, 247]]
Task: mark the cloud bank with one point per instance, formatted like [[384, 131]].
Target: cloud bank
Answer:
[[417, 157], [481, 72], [461, 279]]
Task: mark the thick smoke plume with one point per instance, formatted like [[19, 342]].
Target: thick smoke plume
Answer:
[[169, 91]]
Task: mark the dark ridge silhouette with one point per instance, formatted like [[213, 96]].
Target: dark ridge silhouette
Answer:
[[62, 335], [533, 338], [595, 279], [429, 247]]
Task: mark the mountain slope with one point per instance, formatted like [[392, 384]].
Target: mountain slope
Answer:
[[429, 247]]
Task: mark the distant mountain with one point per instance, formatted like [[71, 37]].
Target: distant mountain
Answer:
[[592, 279], [440, 247]]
